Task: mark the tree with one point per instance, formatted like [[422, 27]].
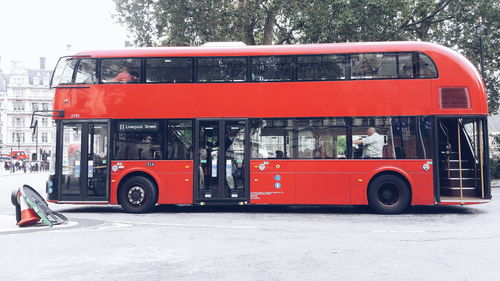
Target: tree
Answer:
[[192, 22]]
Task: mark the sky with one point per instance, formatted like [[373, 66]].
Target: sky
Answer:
[[30, 29]]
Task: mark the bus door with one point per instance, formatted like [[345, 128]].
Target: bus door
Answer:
[[85, 162], [221, 160]]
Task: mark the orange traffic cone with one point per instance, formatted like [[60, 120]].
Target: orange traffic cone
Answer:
[[28, 215]]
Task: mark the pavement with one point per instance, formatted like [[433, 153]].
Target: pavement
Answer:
[[250, 242]]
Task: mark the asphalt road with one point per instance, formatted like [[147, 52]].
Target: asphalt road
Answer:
[[251, 243]]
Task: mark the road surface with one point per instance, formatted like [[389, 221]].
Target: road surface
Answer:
[[251, 243]]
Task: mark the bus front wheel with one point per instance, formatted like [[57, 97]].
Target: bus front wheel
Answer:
[[138, 195], [389, 194]]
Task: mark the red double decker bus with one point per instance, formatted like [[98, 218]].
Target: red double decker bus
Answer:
[[388, 124]]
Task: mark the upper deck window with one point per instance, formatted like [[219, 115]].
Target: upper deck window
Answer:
[[169, 70], [121, 70], [63, 74], [373, 66], [222, 69], [272, 68], [427, 67], [321, 67], [406, 65], [86, 72]]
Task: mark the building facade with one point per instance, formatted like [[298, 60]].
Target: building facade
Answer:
[[3, 115], [26, 90]]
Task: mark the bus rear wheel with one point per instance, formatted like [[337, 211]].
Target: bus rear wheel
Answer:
[[138, 195], [389, 194]]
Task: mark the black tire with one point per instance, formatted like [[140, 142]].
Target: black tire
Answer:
[[138, 195], [389, 194]]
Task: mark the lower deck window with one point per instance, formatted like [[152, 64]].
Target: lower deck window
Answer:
[[341, 138], [138, 140]]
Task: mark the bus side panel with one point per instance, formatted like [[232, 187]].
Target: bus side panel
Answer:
[[174, 179], [335, 182], [422, 189]]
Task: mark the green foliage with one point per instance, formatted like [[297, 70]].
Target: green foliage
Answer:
[[494, 169], [192, 22], [341, 145]]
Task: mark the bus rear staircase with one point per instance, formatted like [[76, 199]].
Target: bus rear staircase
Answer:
[[460, 161]]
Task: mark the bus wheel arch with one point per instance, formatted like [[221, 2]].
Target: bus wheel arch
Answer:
[[137, 192], [389, 192]]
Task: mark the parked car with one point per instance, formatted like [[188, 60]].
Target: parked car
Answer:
[[5, 158], [18, 155]]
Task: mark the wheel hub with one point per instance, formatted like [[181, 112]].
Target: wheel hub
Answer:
[[136, 195], [389, 194]]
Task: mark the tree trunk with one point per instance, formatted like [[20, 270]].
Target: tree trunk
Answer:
[[269, 26], [246, 24]]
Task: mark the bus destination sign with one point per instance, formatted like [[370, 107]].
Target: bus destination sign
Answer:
[[140, 126]]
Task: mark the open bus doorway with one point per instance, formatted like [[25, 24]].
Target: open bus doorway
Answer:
[[463, 159]]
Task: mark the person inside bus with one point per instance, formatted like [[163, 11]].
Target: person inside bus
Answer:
[[372, 145], [279, 154], [124, 76]]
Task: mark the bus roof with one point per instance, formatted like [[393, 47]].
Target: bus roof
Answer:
[[395, 46]]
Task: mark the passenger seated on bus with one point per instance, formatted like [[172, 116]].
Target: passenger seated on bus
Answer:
[[372, 145], [279, 154], [307, 153], [124, 76], [407, 72]]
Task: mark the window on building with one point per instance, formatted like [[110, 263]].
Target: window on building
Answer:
[[45, 122], [121, 70], [36, 81], [86, 72], [45, 137], [18, 122], [18, 93], [34, 106], [272, 68], [427, 67], [138, 140], [179, 140], [18, 137], [373, 66], [222, 69], [169, 70], [45, 106], [321, 67], [18, 105]]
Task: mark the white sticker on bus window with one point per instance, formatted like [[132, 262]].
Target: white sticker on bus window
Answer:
[[214, 170], [77, 169], [91, 169]]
